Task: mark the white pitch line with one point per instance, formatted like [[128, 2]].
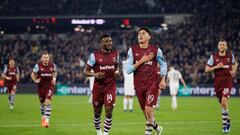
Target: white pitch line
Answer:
[[119, 124]]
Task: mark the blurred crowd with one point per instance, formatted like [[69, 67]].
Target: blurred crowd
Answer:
[[99, 7], [186, 46]]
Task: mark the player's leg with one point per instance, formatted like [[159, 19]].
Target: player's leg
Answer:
[[48, 106], [11, 95], [158, 100], [125, 103], [90, 99], [109, 102], [151, 99], [108, 119], [225, 110], [173, 92], [130, 101], [12, 99], [97, 110], [97, 118]]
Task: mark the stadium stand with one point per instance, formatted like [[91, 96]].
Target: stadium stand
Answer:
[[187, 45]]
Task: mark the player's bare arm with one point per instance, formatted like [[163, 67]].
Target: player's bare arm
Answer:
[[6, 77], [162, 84], [88, 73], [183, 82], [34, 78], [234, 69], [117, 73], [18, 77], [210, 69], [54, 74]]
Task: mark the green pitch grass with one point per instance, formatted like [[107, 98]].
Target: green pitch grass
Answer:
[[72, 115]]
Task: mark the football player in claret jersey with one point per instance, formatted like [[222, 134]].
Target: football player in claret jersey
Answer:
[[104, 62], [11, 75], [224, 66], [173, 78], [44, 75], [142, 61]]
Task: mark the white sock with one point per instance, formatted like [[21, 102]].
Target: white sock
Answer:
[[174, 102], [125, 102], [105, 133], [130, 103], [99, 132]]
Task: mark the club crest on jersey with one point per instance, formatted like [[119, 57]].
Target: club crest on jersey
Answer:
[[136, 54], [51, 69], [217, 60], [41, 69], [100, 60], [114, 59]]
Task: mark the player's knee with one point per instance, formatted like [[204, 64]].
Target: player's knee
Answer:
[[97, 114], [148, 111], [224, 103], [109, 111], [108, 115], [47, 102]]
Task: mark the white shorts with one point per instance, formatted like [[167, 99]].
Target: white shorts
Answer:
[[174, 89], [129, 90]]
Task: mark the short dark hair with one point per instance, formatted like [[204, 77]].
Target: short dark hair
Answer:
[[222, 40], [145, 29], [44, 52], [104, 36]]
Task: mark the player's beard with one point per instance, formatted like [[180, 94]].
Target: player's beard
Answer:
[[45, 63], [223, 51]]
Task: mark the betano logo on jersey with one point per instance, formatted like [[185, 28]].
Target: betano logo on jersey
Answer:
[[46, 74], [107, 67], [12, 73]]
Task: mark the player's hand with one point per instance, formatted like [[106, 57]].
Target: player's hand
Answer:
[[99, 75], [233, 74], [162, 85], [219, 65], [9, 78], [37, 80], [54, 81], [146, 57], [116, 73]]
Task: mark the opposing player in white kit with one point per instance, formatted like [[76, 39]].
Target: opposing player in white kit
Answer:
[[91, 81], [173, 78], [129, 91]]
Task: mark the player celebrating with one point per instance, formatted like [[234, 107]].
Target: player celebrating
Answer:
[[142, 61], [11, 75], [105, 65], [173, 78], [44, 75], [128, 88], [224, 67]]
